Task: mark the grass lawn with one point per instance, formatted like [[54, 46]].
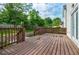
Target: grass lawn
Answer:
[[29, 30], [29, 33]]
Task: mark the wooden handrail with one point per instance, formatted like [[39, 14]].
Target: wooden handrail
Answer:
[[43, 30], [10, 35]]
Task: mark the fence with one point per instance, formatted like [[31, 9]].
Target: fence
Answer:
[[50, 30], [10, 35]]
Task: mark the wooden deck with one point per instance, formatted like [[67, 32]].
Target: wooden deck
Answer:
[[46, 44]]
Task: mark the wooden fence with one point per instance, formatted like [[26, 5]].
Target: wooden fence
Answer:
[[10, 35], [50, 30]]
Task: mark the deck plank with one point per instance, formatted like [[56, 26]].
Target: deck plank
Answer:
[[44, 50], [69, 48], [42, 47], [58, 49], [46, 44], [73, 49], [51, 48], [55, 48], [47, 49], [64, 47], [33, 50], [27, 49]]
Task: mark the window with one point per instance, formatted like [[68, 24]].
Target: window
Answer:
[[76, 25], [72, 25]]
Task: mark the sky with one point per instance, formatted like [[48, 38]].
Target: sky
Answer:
[[52, 10]]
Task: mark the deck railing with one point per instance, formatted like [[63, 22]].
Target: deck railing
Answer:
[[11, 34], [42, 30]]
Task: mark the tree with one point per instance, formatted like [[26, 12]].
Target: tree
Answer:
[[56, 22], [13, 13], [35, 19], [48, 21], [41, 22]]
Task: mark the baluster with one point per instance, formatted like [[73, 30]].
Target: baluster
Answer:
[[5, 36], [1, 38], [8, 36], [11, 35]]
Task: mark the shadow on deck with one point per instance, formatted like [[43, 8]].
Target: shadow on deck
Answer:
[[46, 44]]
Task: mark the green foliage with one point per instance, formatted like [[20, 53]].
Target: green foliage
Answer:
[[56, 22], [35, 19], [13, 13], [48, 22], [16, 13]]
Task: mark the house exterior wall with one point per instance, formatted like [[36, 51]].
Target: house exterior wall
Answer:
[[72, 22], [68, 19], [65, 16]]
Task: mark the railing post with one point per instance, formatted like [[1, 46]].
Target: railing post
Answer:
[[21, 35], [1, 39]]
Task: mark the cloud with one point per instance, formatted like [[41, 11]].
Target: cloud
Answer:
[[49, 9]]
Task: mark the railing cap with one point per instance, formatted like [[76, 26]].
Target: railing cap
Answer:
[[9, 26]]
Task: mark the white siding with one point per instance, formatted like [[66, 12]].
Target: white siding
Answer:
[[78, 22], [65, 18], [69, 20], [70, 29]]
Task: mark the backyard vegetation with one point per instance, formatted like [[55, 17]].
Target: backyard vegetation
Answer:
[[24, 14], [26, 32]]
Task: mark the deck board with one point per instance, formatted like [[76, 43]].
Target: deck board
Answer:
[[69, 47], [51, 48], [58, 49], [66, 52], [64, 49], [46, 44]]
